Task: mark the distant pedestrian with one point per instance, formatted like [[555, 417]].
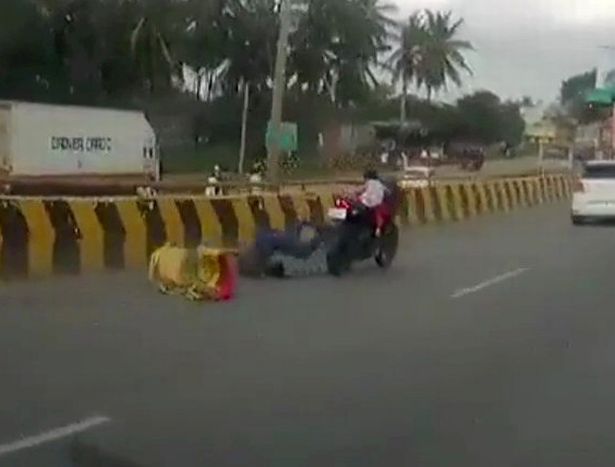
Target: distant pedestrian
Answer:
[[213, 182], [384, 157], [405, 160]]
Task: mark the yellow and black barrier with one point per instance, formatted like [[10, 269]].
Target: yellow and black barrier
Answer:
[[45, 236], [463, 200]]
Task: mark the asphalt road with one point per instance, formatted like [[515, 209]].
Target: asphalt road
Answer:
[[490, 343]]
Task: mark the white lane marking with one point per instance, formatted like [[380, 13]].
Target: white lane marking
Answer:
[[52, 435], [489, 283]]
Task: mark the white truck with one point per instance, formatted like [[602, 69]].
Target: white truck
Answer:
[[57, 141]]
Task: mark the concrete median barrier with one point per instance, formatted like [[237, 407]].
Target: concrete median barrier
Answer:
[[45, 236], [456, 201]]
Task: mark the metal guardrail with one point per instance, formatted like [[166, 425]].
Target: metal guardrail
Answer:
[[112, 187]]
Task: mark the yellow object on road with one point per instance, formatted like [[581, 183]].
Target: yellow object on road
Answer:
[[198, 274]]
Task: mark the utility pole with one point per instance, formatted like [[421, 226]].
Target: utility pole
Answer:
[[244, 125], [279, 86], [541, 156]]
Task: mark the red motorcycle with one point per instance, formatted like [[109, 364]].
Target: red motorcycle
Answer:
[[362, 234]]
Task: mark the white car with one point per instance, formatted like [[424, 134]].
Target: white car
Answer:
[[594, 192], [417, 177]]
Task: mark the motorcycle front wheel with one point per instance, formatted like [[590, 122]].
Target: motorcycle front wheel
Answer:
[[387, 249], [338, 263], [339, 259]]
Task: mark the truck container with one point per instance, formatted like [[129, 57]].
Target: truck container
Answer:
[[58, 141]]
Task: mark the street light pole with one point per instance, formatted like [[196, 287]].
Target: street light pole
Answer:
[[279, 86]]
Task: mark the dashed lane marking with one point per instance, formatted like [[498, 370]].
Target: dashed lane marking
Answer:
[[52, 435], [489, 283]]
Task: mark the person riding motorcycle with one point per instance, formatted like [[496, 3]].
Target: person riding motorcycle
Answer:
[[372, 196], [367, 226]]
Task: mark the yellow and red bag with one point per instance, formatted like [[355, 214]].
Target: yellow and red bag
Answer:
[[198, 274]]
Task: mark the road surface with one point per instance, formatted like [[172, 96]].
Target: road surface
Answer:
[[490, 343], [519, 166]]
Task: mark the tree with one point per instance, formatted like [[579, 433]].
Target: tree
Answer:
[[80, 44], [485, 118], [429, 54], [159, 23], [120, 73], [365, 34], [512, 123], [338, 44], [405, 61], [442, 54], [573, 92], [203, 46], [29, 68], [575, 87], [312, 58], [113, 52], [252, 27]]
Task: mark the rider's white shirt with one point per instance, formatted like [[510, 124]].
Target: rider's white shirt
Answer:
[[374, 193]]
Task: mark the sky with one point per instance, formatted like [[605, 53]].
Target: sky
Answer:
[[528, 47]]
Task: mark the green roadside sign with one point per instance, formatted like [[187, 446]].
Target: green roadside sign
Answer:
[[601, 97], [287, 139]]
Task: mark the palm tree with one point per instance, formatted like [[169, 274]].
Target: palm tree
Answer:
[[252, 27], [312, 58], [28, 63], [204, 43], [158, 23], [429, 54], [80, 44], [443, 58], [365, 36], [406, 60], [338, 43]]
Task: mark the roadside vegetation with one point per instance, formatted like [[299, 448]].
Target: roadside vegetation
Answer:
[[190, 63]]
